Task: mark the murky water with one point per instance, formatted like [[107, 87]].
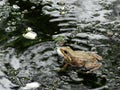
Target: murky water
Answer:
[[90, 25]]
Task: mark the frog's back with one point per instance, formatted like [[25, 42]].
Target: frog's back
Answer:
[[88, 56]]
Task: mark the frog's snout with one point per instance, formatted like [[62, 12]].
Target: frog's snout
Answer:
[[59, 52]]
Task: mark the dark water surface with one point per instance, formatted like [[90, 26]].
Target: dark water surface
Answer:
[[90, 25]]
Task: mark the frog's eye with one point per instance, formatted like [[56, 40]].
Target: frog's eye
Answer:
[[65, 52]]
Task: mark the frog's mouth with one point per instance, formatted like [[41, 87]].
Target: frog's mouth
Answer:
[[59, 51], [64, 54]]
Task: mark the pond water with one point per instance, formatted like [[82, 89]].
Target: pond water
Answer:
[[89, 25]]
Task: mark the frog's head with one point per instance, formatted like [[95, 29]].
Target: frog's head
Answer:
[[66, 52]]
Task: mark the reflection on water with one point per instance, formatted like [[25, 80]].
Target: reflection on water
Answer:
[[86, 25]]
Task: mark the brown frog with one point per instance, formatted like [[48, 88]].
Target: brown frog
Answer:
[[88, 60]]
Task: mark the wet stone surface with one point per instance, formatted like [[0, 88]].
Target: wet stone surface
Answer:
[[83, 25]]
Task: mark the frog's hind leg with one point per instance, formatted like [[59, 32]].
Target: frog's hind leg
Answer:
[[96, 56], [92, 67]]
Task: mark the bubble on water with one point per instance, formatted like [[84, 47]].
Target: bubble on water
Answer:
[[33, 7], [105, 87], [61, 3], [118, 68], [13, 23], [29, 29], [32, 85], [110, 33], [16, 7], [10, 29], [103, 76]]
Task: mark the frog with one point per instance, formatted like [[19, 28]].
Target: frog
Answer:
[[78, 58]]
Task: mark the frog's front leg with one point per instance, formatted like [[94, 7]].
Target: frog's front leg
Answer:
[[64, 67], [92, 67]]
